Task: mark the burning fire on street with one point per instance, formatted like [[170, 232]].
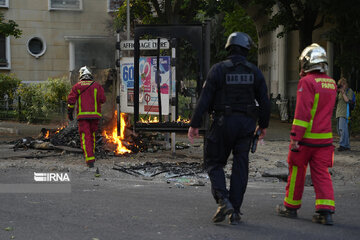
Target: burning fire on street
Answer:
[[59, 129], [156, 120], [149, 120], [183, 120], [112, 137], [47, 133], [108, 142]]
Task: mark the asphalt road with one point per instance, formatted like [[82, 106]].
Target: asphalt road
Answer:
[[119, 206]]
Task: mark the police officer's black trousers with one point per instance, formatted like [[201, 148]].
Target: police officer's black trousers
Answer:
[[230, 134]]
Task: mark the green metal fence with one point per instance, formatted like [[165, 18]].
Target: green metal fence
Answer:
[[13, 110]]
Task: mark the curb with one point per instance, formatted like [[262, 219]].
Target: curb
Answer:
[[9, 130]]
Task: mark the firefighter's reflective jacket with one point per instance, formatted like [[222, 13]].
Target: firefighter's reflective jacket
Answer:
[[89, 95], [316, 96]]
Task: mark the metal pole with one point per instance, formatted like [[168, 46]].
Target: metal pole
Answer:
[[206, 55], [172, 91], [158, 79], [136, 79], [71, 60], [128, 20], [119, 86]]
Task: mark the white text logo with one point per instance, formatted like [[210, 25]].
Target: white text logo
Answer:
[[51, 177]]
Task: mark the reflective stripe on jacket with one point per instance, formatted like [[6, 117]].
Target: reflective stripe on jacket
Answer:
[[316, 96], [89, 96]]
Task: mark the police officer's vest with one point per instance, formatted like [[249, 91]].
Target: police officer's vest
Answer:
[[237, 92]]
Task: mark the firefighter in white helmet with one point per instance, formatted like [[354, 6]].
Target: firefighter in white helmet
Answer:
[[88, 95], [311, 140]]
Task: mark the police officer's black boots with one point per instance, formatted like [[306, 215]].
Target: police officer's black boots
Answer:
[[225, 208], [234, 218], [323, 217], [286, 211]]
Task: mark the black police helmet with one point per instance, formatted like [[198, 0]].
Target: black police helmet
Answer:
[[239, 39]]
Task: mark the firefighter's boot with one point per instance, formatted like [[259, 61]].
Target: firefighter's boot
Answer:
[[225, 208], [286, 211], [323, 217], [90, 164]]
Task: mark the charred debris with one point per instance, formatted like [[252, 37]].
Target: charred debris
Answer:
[[68, 139]]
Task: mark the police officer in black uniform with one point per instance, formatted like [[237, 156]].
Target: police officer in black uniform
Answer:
[[235, 93]]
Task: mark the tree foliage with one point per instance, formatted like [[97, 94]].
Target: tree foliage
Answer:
[[237, 20], [226, 17], [9, 28], [307, 16], [8, 86], [159, 12], [346, 34], [355, 117], [304, 16], [40, 100], [140, 13], [33, 106]]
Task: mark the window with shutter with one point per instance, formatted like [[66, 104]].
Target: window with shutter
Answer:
[[4, 62], [65, 4], [4, 3], [113, 5]]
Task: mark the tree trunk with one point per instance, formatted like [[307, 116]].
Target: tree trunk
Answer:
[[307, 26], [305, 37]]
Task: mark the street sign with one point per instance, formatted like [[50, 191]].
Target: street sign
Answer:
[[150, 44]]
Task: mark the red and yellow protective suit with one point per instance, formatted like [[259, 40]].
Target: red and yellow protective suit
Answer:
[[316, 95], [89, 95]]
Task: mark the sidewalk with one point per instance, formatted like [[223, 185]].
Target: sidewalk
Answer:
[[10, 130], [14, 130]]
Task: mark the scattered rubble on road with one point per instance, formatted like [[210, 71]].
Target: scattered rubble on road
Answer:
[[68, 139], [150, 157], [169, 170]]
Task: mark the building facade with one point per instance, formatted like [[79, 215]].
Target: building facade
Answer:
[[58, 37], [278, 59]]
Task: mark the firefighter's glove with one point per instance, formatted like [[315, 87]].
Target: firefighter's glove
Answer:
[[70, 114]]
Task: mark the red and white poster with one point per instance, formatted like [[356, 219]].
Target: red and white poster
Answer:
[[148, 95]]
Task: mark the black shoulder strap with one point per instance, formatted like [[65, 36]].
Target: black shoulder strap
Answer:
[[229, 64], [87, 88], [247, 64]]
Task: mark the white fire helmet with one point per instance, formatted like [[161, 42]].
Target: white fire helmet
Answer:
[[313, 58], [85, 73]]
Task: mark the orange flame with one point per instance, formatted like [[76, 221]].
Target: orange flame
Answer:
[[183, 120], [114, 138], [156, 120], [149, 120], [59, 129], [47, 134]]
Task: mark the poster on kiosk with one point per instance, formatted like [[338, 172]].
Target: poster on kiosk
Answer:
[[148, 91]]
